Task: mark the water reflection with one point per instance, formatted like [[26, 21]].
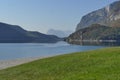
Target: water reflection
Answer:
[[27, 50]]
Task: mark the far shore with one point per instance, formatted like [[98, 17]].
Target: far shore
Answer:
[[92, 40]]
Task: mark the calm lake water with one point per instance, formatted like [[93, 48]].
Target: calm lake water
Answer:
[[26, 50]]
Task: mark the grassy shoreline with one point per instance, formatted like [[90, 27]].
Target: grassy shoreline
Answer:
[[101, 64]]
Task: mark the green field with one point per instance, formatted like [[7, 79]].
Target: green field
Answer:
[[102, 64]]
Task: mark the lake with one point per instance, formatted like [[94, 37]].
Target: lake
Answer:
[[9, 51]]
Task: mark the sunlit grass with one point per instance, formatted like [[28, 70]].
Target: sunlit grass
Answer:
[[102, 64]]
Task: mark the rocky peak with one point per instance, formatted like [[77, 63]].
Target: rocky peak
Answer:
[[105, 16]]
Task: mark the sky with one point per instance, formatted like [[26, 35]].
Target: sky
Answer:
[[42, 15]]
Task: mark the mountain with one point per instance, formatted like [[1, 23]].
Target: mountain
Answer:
[[59, 33], [94, 33], [16, 34], [108, 16], [102, 25]]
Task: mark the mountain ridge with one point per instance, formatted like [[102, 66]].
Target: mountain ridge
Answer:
[[103, 16], [16, 34], [59, 33]]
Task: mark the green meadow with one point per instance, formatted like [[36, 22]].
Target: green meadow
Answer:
[[101, 64]]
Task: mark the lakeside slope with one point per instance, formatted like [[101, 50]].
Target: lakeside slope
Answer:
[[101, 64]]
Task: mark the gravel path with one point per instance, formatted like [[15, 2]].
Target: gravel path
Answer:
[[10, 63]]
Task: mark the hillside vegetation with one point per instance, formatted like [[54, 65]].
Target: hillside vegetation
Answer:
[[96, 32], [16, 34]]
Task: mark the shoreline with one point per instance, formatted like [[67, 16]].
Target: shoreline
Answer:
[[92, 40], [11, 63]]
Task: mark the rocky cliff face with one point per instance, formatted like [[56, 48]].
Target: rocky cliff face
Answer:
[[108, 16], [102, 25]]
